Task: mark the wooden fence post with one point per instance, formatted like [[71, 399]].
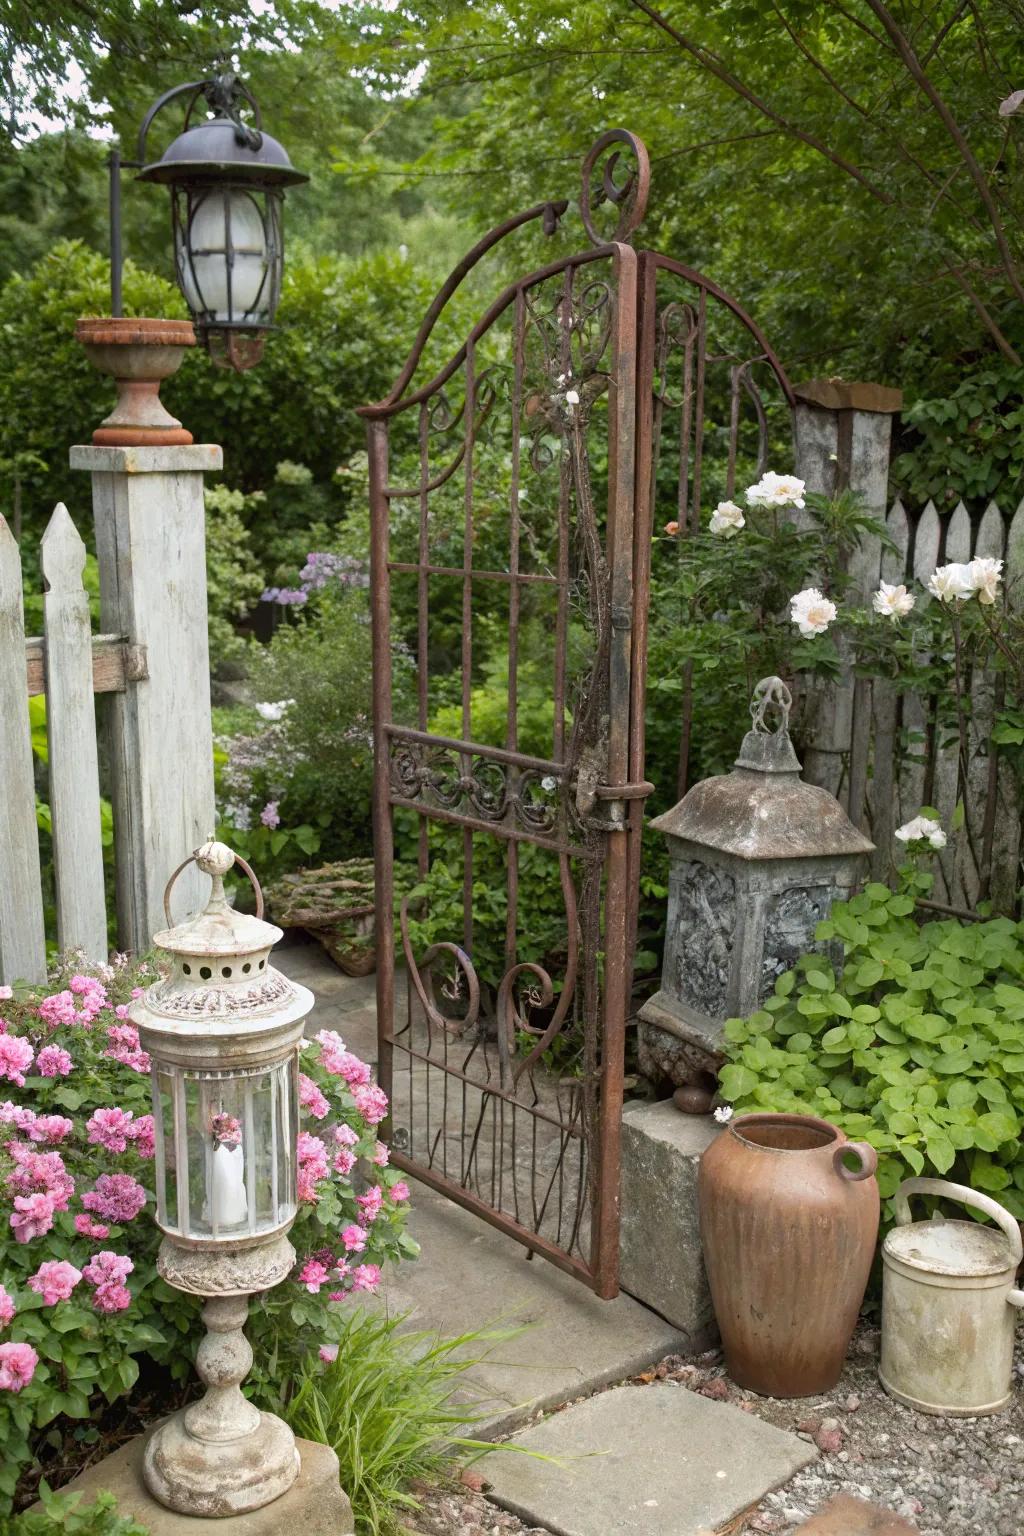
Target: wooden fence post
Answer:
[[22, 943], [71, 732], [842, 434], [151, 544]]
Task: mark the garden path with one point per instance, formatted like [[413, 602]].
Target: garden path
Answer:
[[621, 1449]]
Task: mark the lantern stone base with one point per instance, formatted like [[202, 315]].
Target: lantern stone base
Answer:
[[661, 1260], [676, 1049], [315, 1504]]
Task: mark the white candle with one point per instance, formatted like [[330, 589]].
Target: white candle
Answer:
[[229, 1202]]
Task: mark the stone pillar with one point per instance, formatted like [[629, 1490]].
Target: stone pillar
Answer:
[[151, 546], [842, 434]]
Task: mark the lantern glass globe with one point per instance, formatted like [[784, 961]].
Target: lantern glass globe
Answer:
[[223, 258]]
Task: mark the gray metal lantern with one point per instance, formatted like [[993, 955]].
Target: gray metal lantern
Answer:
[[757, 857], [223, 1030], [227, 182]]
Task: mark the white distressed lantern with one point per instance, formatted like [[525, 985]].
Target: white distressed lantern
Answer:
[[223, 1030]]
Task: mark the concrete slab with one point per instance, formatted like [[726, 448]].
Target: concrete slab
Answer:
[[315, 1504], [470, 1276], [654, 1461]]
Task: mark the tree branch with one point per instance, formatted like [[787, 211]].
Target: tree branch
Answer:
[[707, 59]]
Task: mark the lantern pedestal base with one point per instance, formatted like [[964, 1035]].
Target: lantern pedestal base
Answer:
[[315, 1504], [220, 1477]]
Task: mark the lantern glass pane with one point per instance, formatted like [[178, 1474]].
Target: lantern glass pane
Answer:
[[224, 256], [166, 1152], [226, 1148]]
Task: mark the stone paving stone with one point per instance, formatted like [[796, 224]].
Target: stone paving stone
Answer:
[[643, 1461], [846, 1516]]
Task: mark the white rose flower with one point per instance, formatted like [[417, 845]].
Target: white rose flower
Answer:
[[985, 575], [923, 829], [727, 519], [273, 711], [892, 602], [572, 397], [774, 490], [811, 611], [951, 583], [724, 1113]]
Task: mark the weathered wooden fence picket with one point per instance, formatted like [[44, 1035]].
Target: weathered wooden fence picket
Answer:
[[900, 751], [67, 665]]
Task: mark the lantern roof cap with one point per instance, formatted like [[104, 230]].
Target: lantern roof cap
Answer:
[[218, 929], [214, 151], [763, 809]]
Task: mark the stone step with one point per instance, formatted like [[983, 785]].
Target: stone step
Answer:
[[847, 1516], [643, 1461]]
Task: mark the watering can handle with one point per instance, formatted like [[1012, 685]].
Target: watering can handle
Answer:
[[966, 1196]]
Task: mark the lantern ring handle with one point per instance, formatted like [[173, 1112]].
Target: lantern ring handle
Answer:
[[192, 859], [966, 1196], [867, 1160]]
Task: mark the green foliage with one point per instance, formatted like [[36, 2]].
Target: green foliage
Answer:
[[969, 441], [67, 1513], [345, 327], [388, 1406], [916, 1046], [233, 579]]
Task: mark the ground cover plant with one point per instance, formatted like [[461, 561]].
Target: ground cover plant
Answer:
[[83, 1312], [909, 1035]]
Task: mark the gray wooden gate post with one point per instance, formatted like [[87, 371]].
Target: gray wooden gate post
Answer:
[[151, 546], [842, 434]]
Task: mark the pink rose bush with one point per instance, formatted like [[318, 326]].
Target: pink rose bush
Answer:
[[81, 1299]]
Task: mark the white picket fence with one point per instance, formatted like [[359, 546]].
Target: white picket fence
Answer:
[[898, 755], [155, 741]]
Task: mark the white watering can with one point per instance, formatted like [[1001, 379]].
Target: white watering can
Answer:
[[948, 1302]]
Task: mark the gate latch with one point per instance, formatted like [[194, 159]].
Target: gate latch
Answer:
[[612, 799]]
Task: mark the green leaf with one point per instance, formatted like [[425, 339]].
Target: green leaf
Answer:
[[834, 1039], [736, 1081]]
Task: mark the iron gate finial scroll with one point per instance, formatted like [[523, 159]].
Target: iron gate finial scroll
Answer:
[[580, 390]]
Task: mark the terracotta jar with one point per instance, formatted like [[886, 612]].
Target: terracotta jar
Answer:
[[789, 1219]]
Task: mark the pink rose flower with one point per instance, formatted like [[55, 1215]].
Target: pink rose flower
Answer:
[[86, 1227], [370, 1203], [366, 1277], [371, 1102], [328, 1353], [354, 1239], [15, 1058], [17, 1115], [111, 1298], [32, 1216], [344, 1161], [108, 1268], [311, 1098], [117, 1196], [143, 1136], [312, 1275], [399, 1191], [17, 1366], [110, 1128], [8, 1310], [381, 1155], [54, 1281], [52, 1128], [39, 1173], [345, 1136], [53, 1062]]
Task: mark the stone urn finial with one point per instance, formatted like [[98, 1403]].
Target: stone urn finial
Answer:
[[139, 354]]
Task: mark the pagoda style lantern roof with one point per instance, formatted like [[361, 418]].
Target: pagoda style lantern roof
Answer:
[[763, 809]]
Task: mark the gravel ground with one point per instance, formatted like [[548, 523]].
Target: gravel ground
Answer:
[[947, 1477]]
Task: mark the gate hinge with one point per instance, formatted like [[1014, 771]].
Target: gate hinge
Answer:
[[613, 799]]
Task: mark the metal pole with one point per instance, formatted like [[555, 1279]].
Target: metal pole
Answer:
[[114, 165]]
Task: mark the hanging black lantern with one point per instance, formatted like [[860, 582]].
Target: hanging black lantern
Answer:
[[227, 181]]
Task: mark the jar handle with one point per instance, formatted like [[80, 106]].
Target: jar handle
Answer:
[[193, 858], [867, 1160], [966, 1196]]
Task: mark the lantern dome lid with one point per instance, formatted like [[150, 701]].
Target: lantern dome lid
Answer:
[[215, 151], [222, 976], [763, 809]]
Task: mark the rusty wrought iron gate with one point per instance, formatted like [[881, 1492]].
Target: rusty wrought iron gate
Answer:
[[512, 498]]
